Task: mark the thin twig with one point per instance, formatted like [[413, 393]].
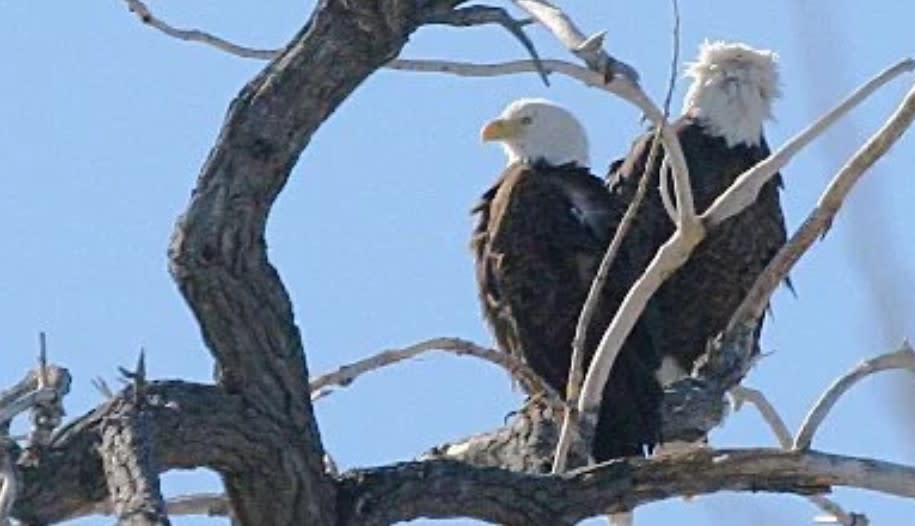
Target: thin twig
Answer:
[[904, 358], [468, 16], [347, 373], [476, 15], [194, 35], [820, 218], [741, 395], [588, 49], [607, 72], [576, 370], [102, 387], [664, 190]]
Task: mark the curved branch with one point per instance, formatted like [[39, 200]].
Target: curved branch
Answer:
[[476, 15], [904, 358], [194, 35], [588, 49], [768, 412], [444, 488], [218, 253], [746, 187], [345, 375]]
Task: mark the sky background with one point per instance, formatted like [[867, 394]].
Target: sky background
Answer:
[[104, 124]]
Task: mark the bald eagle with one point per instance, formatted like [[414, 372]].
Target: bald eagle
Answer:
[[721, 132], [541, 233]]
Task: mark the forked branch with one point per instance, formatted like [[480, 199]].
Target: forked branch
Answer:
[[767, 411], [903, 359]]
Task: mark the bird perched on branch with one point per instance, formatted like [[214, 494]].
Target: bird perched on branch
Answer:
[[721, 132], [541, 233], [545, 224]]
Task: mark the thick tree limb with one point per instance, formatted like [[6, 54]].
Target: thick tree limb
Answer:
[[904, 359], [130, 472], [9, 485], [768, 413], [442, 488], [345, 375], [190, 426], [218, 253]]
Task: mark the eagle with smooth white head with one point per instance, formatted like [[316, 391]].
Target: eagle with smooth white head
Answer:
[[541, 233]]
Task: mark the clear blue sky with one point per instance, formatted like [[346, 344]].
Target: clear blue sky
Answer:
[[105, 124]]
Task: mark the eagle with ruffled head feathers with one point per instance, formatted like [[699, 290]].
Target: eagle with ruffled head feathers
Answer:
[[721, 132]]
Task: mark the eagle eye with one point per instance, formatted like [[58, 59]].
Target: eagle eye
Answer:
[[526, 120]]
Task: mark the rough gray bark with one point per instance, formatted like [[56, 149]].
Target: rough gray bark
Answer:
[[690, 409], [130, 472], [190, 426], [444, 488], [194, 425], [218, 253]]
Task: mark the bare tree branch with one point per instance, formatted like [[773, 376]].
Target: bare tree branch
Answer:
[[588, 49], [190, 426], [904, 358], [130, 472], [345, 375], [820, 218], [746, 187], [218, 255], [442, 488], [576, 372], [476, 15], [194, 35], [27, 393], [743, 395]]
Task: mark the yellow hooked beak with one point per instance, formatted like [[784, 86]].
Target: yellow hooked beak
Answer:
[[500, 129]]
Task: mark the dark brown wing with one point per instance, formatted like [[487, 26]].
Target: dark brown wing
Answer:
[[695, 303], [541, 234]]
